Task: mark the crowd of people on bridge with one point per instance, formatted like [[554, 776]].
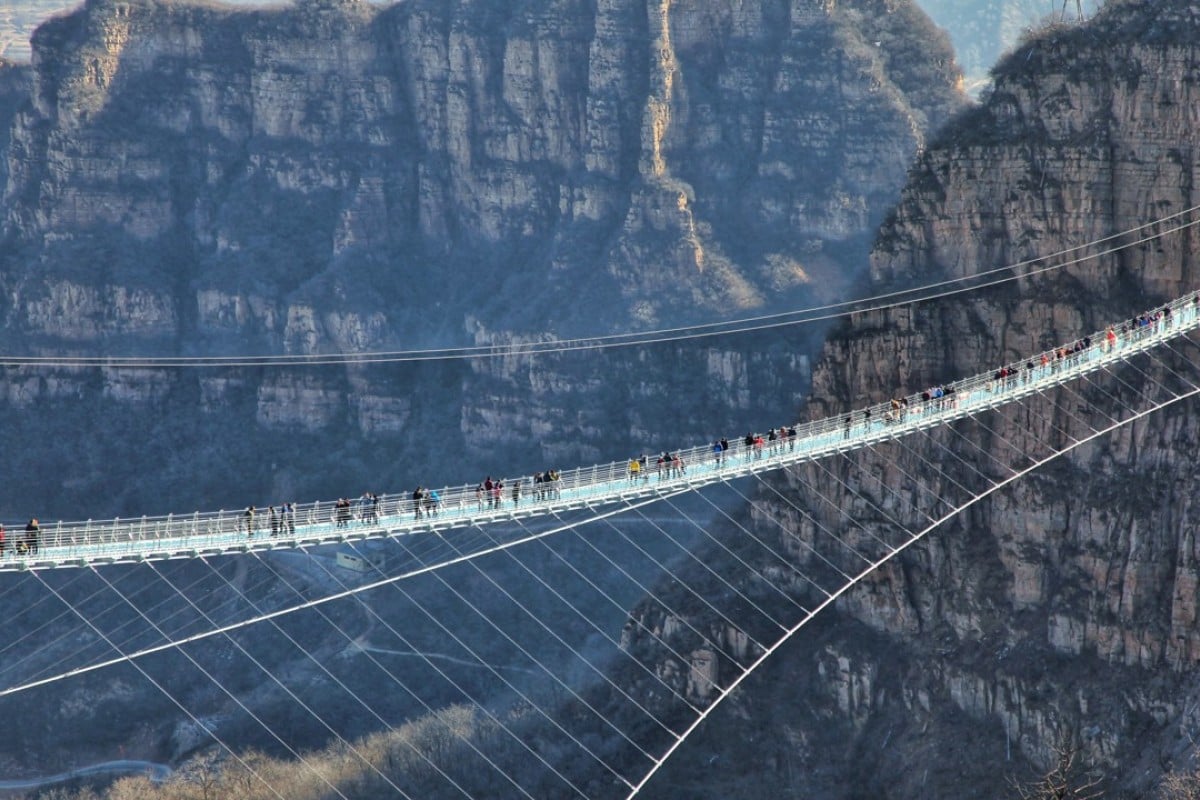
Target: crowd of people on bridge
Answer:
[[943, 397], [281, 521], [494, 494]]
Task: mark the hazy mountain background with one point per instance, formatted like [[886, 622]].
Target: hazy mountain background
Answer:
[[982, 31]]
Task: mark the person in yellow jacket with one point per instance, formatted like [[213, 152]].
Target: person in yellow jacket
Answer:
[[635, 467]]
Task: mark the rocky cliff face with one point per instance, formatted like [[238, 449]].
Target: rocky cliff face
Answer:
[[1061, 613], [336, 177]]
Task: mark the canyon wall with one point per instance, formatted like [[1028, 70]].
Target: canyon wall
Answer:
[[1059, 615]]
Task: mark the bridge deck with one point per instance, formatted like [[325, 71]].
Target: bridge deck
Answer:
[[77, 544]]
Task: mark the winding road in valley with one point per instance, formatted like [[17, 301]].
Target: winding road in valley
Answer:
[[156, 773]]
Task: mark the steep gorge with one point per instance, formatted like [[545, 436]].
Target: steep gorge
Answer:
[[190, 180]]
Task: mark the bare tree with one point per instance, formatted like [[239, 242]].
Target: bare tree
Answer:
[[1065, 780], [133, 788]]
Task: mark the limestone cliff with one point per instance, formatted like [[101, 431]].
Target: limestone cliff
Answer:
[[1062, 612], [191, 179]]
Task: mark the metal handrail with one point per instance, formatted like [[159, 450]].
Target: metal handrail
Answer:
[[174, 535]]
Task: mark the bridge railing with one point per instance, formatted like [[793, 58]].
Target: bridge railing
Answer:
[[324, 520]]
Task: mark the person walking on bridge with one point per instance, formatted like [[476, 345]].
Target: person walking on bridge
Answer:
[[28, 542]]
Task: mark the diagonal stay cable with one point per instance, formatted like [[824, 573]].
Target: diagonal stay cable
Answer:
[[750, 502], [533, 658], [246, 709], [792, 469], [57, 664], [167, 693], [736, 557], [574, 651], [498, 674], [341, 631], [516, 690], [287, 689], [781, 558], [646, 591], [375, 615], [623, 609], [699, 596], [706, 566]]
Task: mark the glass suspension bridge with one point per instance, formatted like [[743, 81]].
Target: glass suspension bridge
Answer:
[[594, 720]]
